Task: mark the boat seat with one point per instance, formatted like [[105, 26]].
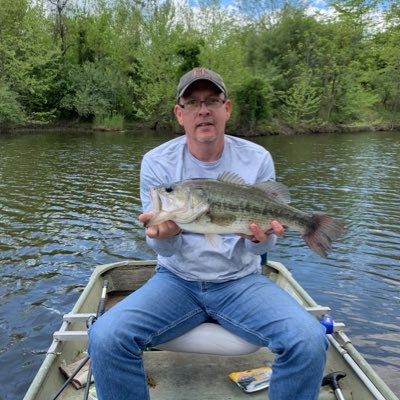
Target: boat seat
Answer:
[[210, 338]]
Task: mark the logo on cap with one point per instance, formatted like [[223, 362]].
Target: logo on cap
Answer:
[[199, 72]]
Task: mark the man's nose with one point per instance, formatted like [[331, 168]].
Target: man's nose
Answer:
[[203, 108]]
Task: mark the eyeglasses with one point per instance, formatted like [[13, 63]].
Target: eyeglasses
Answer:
[[212, 103]]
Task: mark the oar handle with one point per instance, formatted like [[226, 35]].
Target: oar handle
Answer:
[[102, 303], [339, 394]]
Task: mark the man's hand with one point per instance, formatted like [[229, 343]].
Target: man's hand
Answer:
[[258, 235], [164, 230]]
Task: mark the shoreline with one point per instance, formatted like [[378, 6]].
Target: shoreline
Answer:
[[278, 128]]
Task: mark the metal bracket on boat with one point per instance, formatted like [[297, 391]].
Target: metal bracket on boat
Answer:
[[66, 335], [318, 311], [338, 326], [70, 335], [78, 317]]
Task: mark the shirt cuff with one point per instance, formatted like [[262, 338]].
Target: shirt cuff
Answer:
[[261, 247], [165, 247]]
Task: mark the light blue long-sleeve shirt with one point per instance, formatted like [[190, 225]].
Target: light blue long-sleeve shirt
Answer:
[[190, 255]]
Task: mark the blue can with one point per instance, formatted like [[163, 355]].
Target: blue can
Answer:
[[328, 322]]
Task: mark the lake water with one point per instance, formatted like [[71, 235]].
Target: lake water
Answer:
[[69, 202]]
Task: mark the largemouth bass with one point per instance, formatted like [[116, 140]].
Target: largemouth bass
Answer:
[[228, 205]]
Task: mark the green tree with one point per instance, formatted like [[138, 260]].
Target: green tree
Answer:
[[59, 9], [154, 85], [385, 78], [189, 51], [301, 102], [93, 91], [11, 111], [31, 63], [252, 100], [12, 14], [351, 61]]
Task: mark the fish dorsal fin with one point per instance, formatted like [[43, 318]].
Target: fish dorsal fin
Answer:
[[231, 177], [277, 191]]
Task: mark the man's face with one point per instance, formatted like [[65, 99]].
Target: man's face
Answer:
[[203, 124]]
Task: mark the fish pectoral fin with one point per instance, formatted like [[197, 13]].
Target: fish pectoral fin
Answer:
[[160, 217], [214, 240], [275, 190]]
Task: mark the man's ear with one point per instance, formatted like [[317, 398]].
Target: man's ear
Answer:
[[228, 108], [178, 114]]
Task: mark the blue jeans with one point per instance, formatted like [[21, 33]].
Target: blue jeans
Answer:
[[167, 306]]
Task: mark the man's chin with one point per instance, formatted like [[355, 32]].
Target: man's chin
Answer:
[[208, 134]]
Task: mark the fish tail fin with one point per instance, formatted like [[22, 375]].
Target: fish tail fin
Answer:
[[321, 232]]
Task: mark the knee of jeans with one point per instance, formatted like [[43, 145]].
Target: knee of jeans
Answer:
[[313, 340], [306, 333], [99, 338], [109, 338]]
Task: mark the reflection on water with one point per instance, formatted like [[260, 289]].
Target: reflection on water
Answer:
[[69, 202]]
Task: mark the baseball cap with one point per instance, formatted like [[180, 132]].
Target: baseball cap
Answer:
[[200, 74]]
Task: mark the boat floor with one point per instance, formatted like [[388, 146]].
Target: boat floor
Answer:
[[183, 376]]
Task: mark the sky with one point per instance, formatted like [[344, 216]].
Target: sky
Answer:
[[226, 3], [313, 7]]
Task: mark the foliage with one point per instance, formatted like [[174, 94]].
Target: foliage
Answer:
[[31, 63], [252, 99], [10, 108], [92, 91], [190, 51], [114, 122], [96, 59], [385, 77], [301, 102]]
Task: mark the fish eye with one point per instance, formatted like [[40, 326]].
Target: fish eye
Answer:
[[169, 189]]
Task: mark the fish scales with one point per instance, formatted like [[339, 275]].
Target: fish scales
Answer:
[[250, 205], [234, 206]]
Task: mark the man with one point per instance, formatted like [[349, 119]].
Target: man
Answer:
[[194, 281]]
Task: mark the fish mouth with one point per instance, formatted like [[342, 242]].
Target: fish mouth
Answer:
[[159, 200], [155, 199]]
